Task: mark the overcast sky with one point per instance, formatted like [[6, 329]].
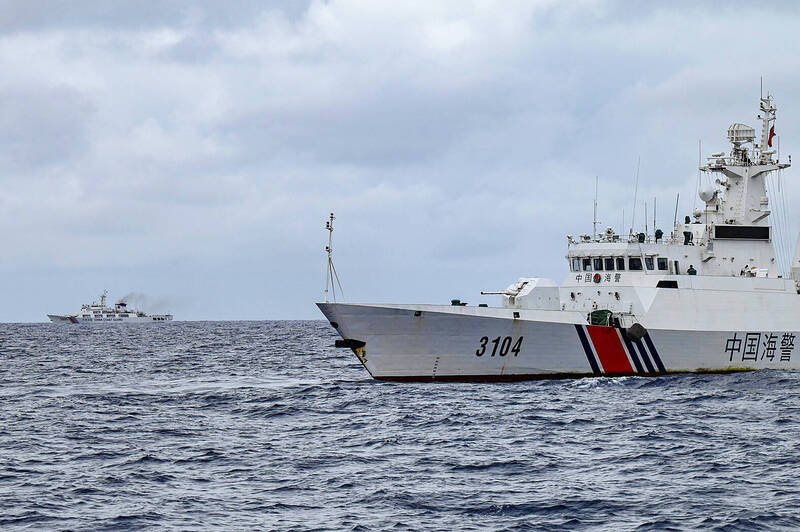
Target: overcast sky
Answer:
[[192, 154]]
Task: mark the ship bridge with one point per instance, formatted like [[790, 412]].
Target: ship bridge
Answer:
[[730, 244]]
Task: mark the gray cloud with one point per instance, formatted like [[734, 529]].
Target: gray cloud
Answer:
[[38, 15], [193, 152], [42, 125]]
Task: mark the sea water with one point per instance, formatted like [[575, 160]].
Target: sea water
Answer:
[[264, 425]]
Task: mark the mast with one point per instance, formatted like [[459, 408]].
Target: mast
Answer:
[[654, 214], [675, 218], [767, 117], [745, 194], [331, 275], [594, 222], [635, 194]]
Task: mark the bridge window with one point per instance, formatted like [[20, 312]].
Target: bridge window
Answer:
[[635, 264], [587, 265], [609, 263], [648, 261], [620, 264], [662, 263], [598, 265], [576, 265]]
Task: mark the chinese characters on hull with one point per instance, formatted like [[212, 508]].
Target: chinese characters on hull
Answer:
[[754, 347], [589, 277]]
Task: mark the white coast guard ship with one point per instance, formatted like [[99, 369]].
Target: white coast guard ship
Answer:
[[710, 297], [100, 313]]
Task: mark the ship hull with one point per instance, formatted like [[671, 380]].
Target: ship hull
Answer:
[[55, 318], [433, 342]]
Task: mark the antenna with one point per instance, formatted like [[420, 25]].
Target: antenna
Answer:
[[331, 274], [675, 220], [594, 222], [654, 214], [699, 163], [647, 234], [635, 194]]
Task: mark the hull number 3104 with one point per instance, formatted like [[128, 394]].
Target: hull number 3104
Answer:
[[500, 346]]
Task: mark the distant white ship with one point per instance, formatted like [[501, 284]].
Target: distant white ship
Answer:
[[99, 312]]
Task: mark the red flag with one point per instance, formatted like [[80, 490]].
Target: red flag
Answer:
[[771, 134]]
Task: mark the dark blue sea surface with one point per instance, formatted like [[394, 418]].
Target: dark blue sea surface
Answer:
[[264, 425]]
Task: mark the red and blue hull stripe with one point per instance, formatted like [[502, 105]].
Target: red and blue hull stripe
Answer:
[[609, 351]]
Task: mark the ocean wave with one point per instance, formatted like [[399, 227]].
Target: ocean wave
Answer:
[[264, 425]]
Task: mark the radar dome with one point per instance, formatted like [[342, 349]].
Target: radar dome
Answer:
[[707, 193]]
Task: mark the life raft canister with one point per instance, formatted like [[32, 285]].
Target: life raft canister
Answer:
[[635, 332]]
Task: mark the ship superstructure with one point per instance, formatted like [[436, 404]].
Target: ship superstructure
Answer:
[[98, 312], [716, 294]]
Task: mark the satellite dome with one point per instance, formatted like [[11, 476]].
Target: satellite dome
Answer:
[[707, 193]]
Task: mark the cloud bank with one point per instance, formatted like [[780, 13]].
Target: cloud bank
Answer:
[[192, 153]]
